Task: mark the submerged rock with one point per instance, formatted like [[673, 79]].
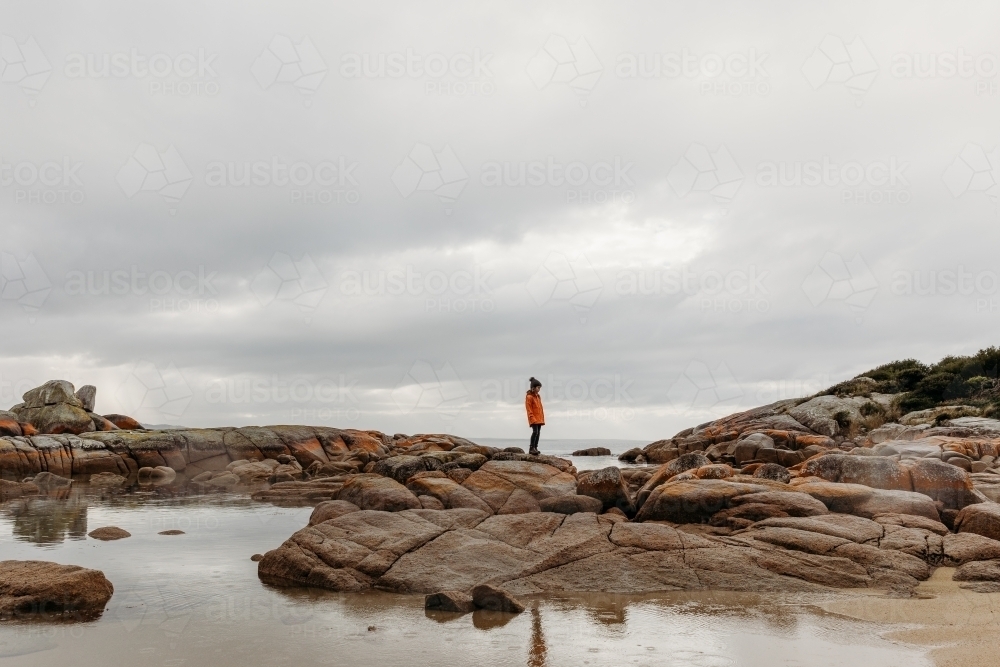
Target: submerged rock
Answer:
[[108, 533], [31, 588]]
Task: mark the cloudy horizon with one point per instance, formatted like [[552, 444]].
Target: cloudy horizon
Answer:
[[389, 216]]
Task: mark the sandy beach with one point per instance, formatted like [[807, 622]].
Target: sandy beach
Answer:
[[959, 625]]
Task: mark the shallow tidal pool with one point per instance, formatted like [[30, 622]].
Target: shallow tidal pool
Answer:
[[194, 599]]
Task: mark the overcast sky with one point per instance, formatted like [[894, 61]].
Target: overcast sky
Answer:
[[390, 215]]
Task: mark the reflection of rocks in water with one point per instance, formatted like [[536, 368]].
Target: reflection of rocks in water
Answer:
[[484, 619], [45, 520], [537, 650]]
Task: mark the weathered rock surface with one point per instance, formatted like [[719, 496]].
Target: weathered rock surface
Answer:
[[427, 551], [33, 587], [331, 509]]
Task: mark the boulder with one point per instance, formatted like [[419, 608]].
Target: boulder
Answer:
[[772, 471], [966, 547], [593, 451], [124, 422], [513, 487], [52, 392], [29, 588], [692, 501], [714, 471], [107, 479], [401, 468], [748, 448], [100, 423], [108, 533], [608, 486], [447, 491], [978, 570], [824, 414], [867, 502], [571, 505], [374, 492], [453, 601], [493, 598], [792, 503], [331, 509], [9, 424], [945, 483], [58, 418], [981, 519], [88, 396], [875, 471], [430, 503]]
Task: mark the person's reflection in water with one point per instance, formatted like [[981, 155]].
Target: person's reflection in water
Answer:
[[537, 651]]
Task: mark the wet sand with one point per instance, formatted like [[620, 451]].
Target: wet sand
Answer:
[[959, 626]]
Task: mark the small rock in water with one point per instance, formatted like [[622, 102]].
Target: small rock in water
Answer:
[[455, 601], [106, 533], [257, 558], [593, 451], [496, 599], [172, 531], [371, 628]]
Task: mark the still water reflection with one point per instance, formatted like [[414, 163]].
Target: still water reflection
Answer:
[[194, 599]]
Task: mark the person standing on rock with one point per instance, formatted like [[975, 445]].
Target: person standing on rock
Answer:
[[536, 415]]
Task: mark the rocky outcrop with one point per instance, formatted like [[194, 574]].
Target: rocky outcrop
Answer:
[[427, 551], [35, 588]]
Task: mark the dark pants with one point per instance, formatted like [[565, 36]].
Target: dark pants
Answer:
[[536, 432]]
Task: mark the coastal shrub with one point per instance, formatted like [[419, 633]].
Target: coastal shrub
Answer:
[[972, 380]]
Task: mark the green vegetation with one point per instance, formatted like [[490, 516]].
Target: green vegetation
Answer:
[[973, 380]]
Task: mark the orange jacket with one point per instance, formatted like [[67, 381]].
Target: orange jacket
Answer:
[[533, 404]]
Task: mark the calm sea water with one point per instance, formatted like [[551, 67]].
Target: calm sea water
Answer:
[[194, 599]]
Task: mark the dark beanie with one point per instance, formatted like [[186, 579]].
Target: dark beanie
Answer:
[[534, 383]]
